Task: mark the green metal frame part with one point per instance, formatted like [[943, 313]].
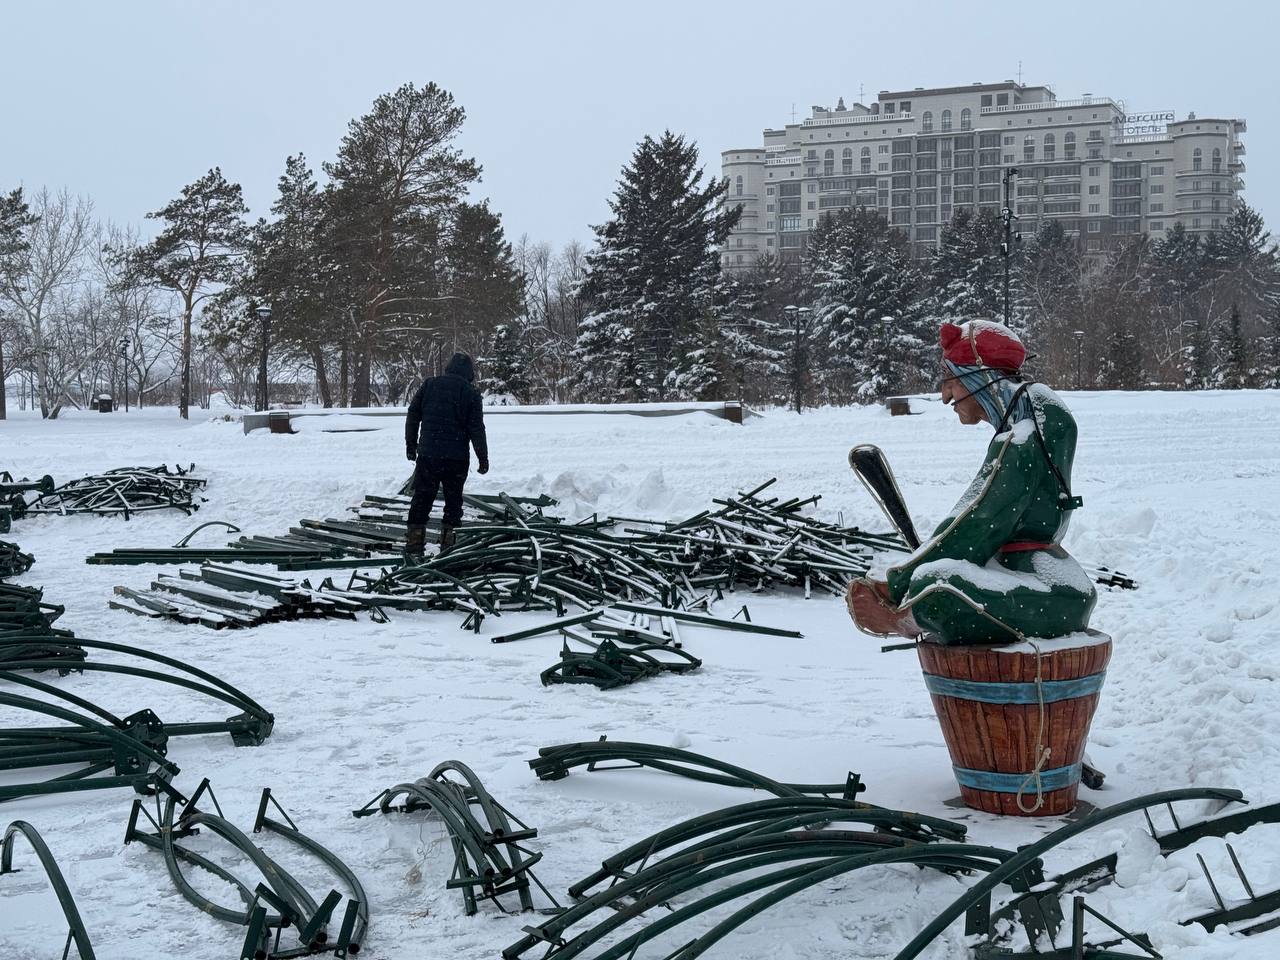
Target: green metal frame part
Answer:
[[555, 762], [488, 856], [76, 931], [293, 903]]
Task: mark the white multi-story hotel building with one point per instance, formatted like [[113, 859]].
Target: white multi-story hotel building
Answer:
[[918, 155]]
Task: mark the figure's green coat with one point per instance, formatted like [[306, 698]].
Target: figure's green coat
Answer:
[[961, 587]]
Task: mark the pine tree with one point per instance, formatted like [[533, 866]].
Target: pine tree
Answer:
[[15, 220], [199, 249], [1178, 276], [291, 269], [1234, 372], [755, 340], [395, 180], [651, 278], [505, 364], [873, 340], [483, 287], [1269, 351], [1048, 304], [967, 271]]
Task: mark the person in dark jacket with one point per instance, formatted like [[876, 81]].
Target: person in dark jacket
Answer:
[[445, 417]]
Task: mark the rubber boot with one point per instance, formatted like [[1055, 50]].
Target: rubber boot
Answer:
[[414, 542], [448, 537]]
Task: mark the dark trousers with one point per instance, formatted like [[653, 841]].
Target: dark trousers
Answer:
[[429, 475]]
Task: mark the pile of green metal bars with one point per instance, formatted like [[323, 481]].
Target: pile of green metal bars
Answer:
[[489, 857], [106, 749], [771, 850], [13, 502], [281, 902], [124, 491], [27, 630], [13, 562], [606, 664], [523, 560], [222, 595]]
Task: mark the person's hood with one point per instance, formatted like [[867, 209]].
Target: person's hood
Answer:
[[460, 365]]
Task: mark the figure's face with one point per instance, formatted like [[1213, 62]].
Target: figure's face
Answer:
[[967, 408]]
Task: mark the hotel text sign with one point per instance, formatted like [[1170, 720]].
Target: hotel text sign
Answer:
[[1137, 124]]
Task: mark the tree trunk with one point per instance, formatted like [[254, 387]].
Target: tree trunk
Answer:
[[343, 378], [184, 391], [4, 406], [322, 377], [360, 388]]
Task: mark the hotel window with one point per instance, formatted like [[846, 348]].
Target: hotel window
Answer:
[[1217, 160], [768, 191], [1196, 158], [1157, 171], [1093, 171], [828, 163], [1157, 188], [1157, 207], [846, 160], [946, 121], [926, 122], [1050, 147], [1069, 146], [1095, 226], [865, 159], [737, 189], [1094, 189], [1095, 208], [1157, 225], [966, 119], [883, 148]]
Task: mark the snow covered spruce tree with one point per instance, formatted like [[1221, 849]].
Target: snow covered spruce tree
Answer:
[[506, 363], [871, 338], [755, 338], [967, 271], [197, 251], [650, 280]]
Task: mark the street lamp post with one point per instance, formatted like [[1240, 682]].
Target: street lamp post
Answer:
[[1079, 335], [264, 317], [799, 319], [124, 366]]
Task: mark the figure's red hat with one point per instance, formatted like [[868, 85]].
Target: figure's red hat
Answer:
[[982, 343]]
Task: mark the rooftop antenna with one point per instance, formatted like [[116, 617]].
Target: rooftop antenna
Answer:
[[793, 111], [1019, 73], [861, 98]]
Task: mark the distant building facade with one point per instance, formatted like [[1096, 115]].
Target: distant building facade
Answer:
[[917, 156]]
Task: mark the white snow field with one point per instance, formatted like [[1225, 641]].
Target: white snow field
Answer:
[[1181, 491]]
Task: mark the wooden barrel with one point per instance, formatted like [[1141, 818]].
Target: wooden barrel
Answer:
[[988, 703]]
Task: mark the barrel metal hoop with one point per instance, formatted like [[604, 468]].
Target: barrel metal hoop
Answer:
[[1017, 693], [1055, 779]]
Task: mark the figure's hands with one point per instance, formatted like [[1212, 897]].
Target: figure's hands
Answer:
[[411, 451], [875, 613], [483, 468]]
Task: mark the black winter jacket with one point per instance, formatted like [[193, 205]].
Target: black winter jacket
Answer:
[[446, 414]]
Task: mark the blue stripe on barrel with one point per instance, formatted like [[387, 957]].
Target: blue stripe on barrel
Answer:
[[1055, 779], [1022, 693]]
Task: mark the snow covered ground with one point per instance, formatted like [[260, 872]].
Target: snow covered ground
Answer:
[[1181, 491]]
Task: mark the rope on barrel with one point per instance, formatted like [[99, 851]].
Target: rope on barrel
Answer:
[[1042, 752]]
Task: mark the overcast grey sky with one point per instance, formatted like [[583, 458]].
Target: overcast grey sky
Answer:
[[128, 101]]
